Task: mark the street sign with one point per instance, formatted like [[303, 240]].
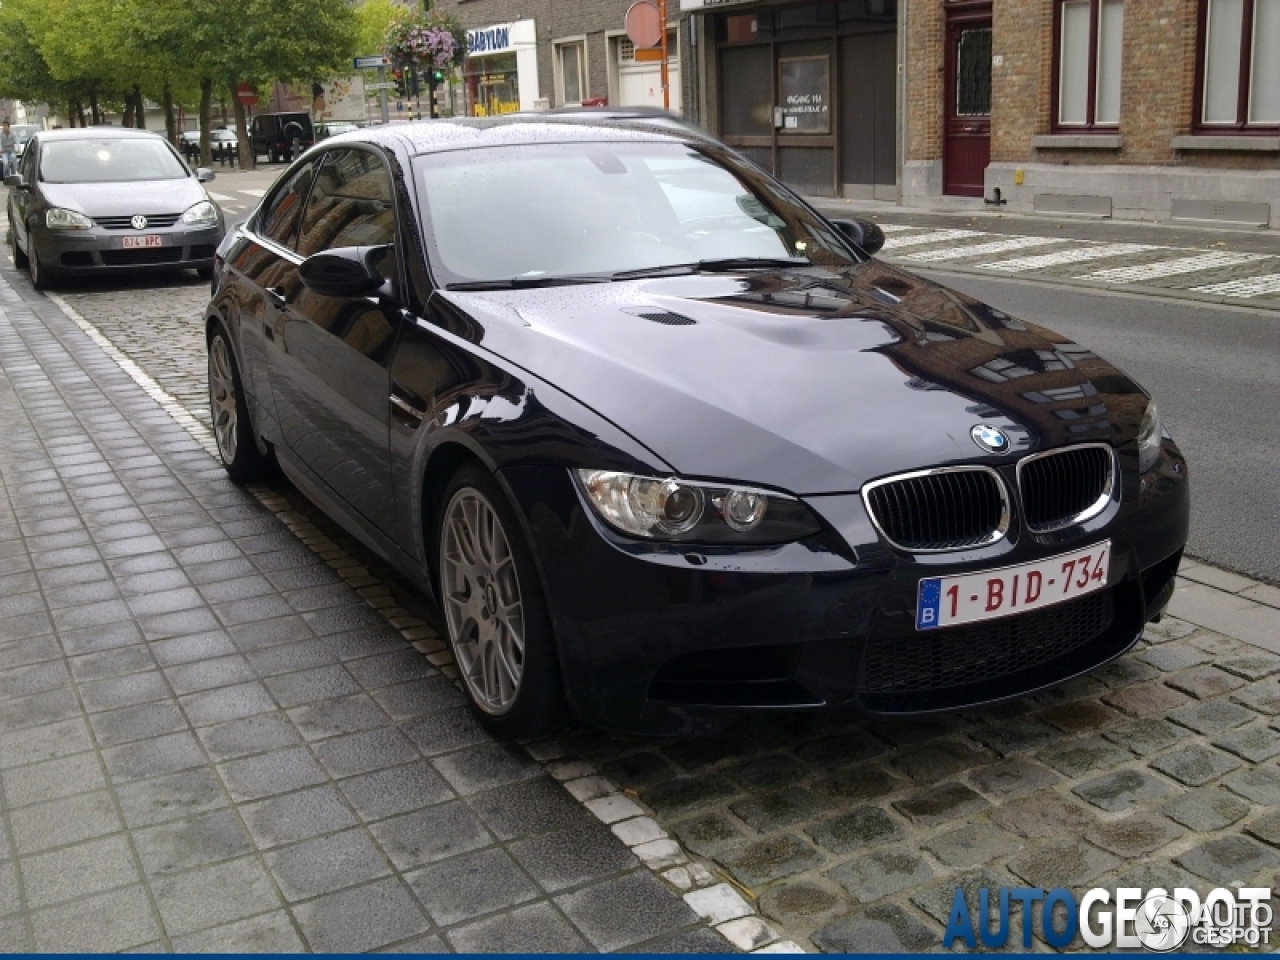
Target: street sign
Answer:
[[245, 94], [643, 24], [371, 62], [380, 86]]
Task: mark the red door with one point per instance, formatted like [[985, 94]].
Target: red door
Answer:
[[967, 122]]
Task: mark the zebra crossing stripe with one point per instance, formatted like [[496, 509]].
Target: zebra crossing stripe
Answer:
[[1169, 268], [897, 227], [981, 249], [1248, 287], [1075, 255], [252, 193], [933, 236], [220, 197]]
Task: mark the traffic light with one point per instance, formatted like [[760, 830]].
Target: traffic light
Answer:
[[434, 79], [437, 77], [401, 92], [413, 83]]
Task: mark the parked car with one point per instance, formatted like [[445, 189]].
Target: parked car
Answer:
[[332, 129], [274, 135], [22, 133], [665, 443], [90, 201]]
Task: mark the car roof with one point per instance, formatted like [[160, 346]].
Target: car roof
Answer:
[[97, 133], [433, 136]]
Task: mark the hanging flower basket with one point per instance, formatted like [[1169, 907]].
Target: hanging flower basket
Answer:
[[426, 41]]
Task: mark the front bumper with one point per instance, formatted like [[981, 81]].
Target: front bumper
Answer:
[[99, 250], [673, 642]]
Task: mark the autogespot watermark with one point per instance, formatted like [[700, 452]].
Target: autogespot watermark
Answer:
[[1156, 919]]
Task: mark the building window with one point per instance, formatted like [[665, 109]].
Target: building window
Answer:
[[1239, 64], [1090, 38], [571, 63]]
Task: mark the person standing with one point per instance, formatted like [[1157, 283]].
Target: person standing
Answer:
[[8, 146]]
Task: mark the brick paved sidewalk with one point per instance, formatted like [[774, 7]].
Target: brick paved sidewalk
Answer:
[[210, 740]]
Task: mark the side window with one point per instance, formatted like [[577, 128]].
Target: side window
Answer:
[[279, 218], [350, 204]]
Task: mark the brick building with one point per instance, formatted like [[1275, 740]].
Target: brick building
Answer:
[[1148, 109], [534, 54]]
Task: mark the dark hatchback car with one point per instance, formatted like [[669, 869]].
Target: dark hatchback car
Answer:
[[107, 200], [665, 443], [274, 135]]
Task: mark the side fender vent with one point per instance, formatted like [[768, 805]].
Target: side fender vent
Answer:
[[665, 317]]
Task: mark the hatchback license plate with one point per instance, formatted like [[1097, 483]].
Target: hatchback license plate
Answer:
[[970, 597], [130, 243]]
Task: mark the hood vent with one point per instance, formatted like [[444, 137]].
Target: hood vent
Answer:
[[665, 317]]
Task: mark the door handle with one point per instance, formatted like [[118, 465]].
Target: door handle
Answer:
[[268, 331], [278, 295], [969, 129]]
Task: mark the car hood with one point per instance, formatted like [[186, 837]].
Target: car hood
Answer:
[[125, 199], [810, 380]]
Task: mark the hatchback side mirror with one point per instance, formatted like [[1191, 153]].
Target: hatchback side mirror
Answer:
[[343, 272], [204, 174], [15, 181], [864, 233]]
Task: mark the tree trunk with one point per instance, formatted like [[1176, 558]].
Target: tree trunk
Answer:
[[247, 160], [81, 120], [170, 121], [93, 107], [139, 109], [126, 116], [206, 109]]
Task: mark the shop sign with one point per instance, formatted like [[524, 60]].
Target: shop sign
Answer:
[[805, 94], [495, 39]]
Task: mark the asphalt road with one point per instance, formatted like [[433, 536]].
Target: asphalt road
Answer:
[[1215, 373]]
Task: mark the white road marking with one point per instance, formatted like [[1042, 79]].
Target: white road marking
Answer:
[[982, 249], [220, 197], [933, 236], [1074, 255], [897, 227], [1249, 287], [252, 193], [1169, 268]]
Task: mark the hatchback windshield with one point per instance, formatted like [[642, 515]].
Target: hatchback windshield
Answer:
[[106, 160], [528, 212]]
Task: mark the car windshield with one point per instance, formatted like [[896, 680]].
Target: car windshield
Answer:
[[108, 160], [533, 212]]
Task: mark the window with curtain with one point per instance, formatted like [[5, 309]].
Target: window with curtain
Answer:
[[1239, 50], [573, 71], [1089, 52]]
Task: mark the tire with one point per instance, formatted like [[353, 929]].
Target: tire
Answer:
[[232, 429], [36, 271], [507, 660], [19, 258]]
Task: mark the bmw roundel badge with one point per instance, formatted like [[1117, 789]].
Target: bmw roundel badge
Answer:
[[989, 438]]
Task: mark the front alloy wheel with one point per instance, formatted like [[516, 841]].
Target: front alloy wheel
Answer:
[[482, 601], [494, 610]]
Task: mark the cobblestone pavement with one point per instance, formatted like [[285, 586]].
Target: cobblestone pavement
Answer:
[[213, 739], [1158, 770]]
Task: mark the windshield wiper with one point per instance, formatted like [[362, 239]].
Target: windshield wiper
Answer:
[[524, 280], [723, 264]]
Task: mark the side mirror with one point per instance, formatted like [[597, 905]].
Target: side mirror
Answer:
[[204, 174], [15, 181], [343, 272], [864, 233]]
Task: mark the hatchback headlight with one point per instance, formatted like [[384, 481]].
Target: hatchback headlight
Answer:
[[667, 508], [203, 214], [60, 218], [1149, 434]]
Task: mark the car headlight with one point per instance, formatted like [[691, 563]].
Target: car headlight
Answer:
[[60, 218], [667, 508], [203, 214], [1149, 434]]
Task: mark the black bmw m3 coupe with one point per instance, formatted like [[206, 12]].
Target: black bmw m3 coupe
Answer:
[[665, 443]]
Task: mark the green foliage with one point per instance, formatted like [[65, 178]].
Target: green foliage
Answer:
[[373, 17]]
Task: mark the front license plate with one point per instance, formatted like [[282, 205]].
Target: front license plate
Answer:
[[947, 601], [130, 243]]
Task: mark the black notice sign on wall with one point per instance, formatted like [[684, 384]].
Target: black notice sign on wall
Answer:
[[805, 92]]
